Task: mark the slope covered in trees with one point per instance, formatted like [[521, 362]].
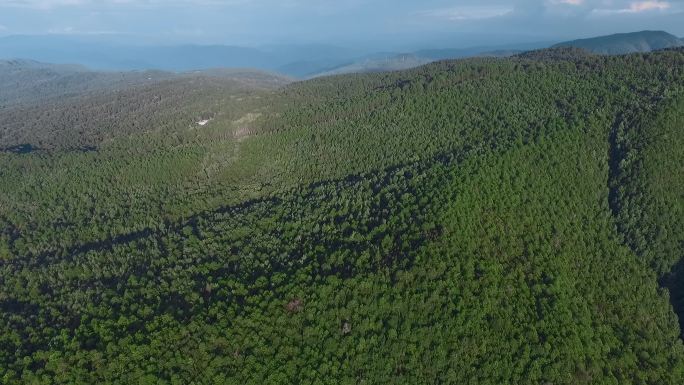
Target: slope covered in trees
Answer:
[[480, 221], [648, 191], [51, 107], [26, 81]]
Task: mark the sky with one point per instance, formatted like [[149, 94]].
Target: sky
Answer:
[[392, 23]]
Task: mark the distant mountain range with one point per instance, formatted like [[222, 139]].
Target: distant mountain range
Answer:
[[23, 81], [300, 61], [379, 63], [97, 53], [296, 61], [392, 61], [624, 43]]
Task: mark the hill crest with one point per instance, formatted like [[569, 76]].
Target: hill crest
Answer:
[[623, 43]]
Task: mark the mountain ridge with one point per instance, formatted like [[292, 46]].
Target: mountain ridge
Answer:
[[623, 43], [295, 61]]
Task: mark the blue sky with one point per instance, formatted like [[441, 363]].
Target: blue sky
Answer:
[[389, 22]]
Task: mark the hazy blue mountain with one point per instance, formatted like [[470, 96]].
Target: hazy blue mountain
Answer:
[[31, 81], [99, 54], [28, 81], [303, 61], [501, 50], [252, 78], [296, 61], [310, 68], [103, 54], [394, 61], [379, 63], [622, 43], [300, 61]]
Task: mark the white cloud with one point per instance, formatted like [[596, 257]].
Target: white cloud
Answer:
[[75, 31], [465, 13], [52, 4], [568, 2], [642, 6], [468, 10], [41, 4], [636, 7], [319, 20]]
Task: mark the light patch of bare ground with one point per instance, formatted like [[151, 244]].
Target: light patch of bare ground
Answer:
[[243, 130]]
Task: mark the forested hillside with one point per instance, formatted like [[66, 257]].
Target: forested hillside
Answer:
[[484, 221], [45, 107], [30, 82]]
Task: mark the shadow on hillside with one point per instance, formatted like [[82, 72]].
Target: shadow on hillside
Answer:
[[25, 148], [674, 282]]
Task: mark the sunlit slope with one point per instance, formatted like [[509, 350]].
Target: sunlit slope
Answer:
[[31, 82], [59, 107]]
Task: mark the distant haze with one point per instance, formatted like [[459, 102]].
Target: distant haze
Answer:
[[369, 25]]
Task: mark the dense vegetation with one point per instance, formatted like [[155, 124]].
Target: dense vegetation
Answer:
[[483, 221], [29, 82], [648, 164]]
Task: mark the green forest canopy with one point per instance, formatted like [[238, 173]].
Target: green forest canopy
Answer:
[[482, 221]]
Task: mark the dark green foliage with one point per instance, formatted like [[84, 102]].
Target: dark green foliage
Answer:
[[648, 191], [649, 183], [481, 221]]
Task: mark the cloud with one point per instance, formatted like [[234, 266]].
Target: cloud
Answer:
[[347, 21], [642, 6], [465, 13], [41, 4], [615, 6], [68, 30], [53, 4], [466, 10], [636, 7], [568, 2]]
